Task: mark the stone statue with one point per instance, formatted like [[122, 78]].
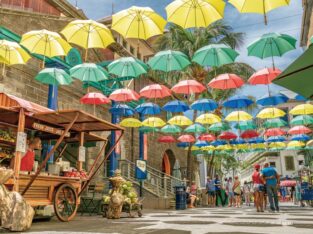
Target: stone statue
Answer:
[[116, 196]]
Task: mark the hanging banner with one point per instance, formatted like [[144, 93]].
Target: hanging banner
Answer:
[[45, 128], [141, 169]]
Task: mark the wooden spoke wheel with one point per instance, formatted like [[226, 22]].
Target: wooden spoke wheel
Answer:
[[65, 202]]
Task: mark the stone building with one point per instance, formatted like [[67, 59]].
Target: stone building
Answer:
[[307, 23]]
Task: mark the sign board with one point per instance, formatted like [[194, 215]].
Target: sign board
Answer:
[[82, 154], [45, 128], [21, 142], [141, 169]]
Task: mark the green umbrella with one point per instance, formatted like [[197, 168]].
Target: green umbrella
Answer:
[[127, 67], [53, 76], [195, 128], [274, 123], [89, 72], [171, 129], [218, 127], [214, 55], [145, 129], [169, 60], [302, 120], [272, 44], [245, 125]]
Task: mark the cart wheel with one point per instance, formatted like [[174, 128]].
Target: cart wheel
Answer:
[[65, 202]]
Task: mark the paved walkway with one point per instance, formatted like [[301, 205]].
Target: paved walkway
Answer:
[[293, 220]]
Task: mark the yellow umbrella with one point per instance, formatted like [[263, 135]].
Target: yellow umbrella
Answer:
[[224, 147], [195, 13], [270, 113], [88, 34], [258, 6], [208, 148], [258, 146], [193, 148], [131, 123], [237, 116], [12, 53], [295, 144], [303, 109], [46, 43], [208, 119], [242, 146], [154, 122], [180, 120], [138, 22], [277, 145]]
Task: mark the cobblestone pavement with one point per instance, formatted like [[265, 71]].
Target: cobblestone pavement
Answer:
[[291, 220]]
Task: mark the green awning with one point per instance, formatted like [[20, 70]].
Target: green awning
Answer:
[[298, 77]]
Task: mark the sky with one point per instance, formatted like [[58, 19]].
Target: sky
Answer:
[[285, 20]]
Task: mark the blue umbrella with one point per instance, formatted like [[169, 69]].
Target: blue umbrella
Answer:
[[256, 140], [201, 143], [272, 100], [182, 144], [176, 106], [148, 108], [238, 102], [204, 105], [300, 98], [300, 137], [122, 110], [218, 142], [276, 139], [237, 141]]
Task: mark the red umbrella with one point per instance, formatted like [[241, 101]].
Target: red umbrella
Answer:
[[95, 99], [166, 139], [206, 137], [249, 134], [186, 138], [288, 183], [188, 87], [155, 91], [264, 76], [124, 95], [274, 132], [226, 81], [299, 130], [227, 136]]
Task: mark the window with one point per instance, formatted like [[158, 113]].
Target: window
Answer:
[[132, 50], [301, 162], [289, 163], [124, 43], [272, 164]]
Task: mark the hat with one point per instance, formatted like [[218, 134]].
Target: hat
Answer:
[[257, 166]]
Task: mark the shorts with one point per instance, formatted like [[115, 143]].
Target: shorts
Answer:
[[211, 193], [230, 194], [237, 194], [259, 188]]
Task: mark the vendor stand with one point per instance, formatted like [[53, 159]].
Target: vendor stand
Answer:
[[41, 188]]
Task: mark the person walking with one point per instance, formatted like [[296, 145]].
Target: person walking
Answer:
[[271, 178], [246, 193], [258, 188], [218, 190], [210, 186], [230, 193], [237, 192]]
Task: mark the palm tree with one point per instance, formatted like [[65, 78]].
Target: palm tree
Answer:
[[188, 42]]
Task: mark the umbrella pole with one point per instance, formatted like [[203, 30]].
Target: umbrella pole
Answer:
[[86, 55], [3, 70]]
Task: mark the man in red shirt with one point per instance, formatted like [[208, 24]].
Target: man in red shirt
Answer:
[[258, 187], [27, 161]]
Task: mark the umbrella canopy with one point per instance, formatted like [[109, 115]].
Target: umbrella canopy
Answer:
[[237, 116], [194, 13], [176, 106], [53, 76], [218, 127], [302, 109], [124, 95], [145, 129], [257, 140], [245, 125], [201, 143], [218, 142], [270, 113], [46, 43], [168, 61], [186, 138], [188, 87], [237, 141], [204, 105], [208, 119], [299, 130], [302, 120], [258, 146], [288, 183], [227, 136], [171, 129], [226, 81], [278, 145], [155, 91], [248, 134], [238, 102], [127, 67], [214, 55], [12, 53], [95, 99], [276, 139], [195, 128], [182, 144], [122, 110], [207, 137], [208, 148], [295, 145], [180, 120], [166, 139], [264, 76], [274, 132], [130, 123], [300, 137], [275, 123], [148, 108], [138, 22], [89, 72], [272, 100], [154, 122], [88, 34]]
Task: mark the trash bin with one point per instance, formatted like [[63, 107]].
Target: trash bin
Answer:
[[180, 192]]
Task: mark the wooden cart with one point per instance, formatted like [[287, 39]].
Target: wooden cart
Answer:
[[63, 127]]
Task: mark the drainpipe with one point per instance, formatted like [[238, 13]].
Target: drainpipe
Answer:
[[113, 159], [141, 148]]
